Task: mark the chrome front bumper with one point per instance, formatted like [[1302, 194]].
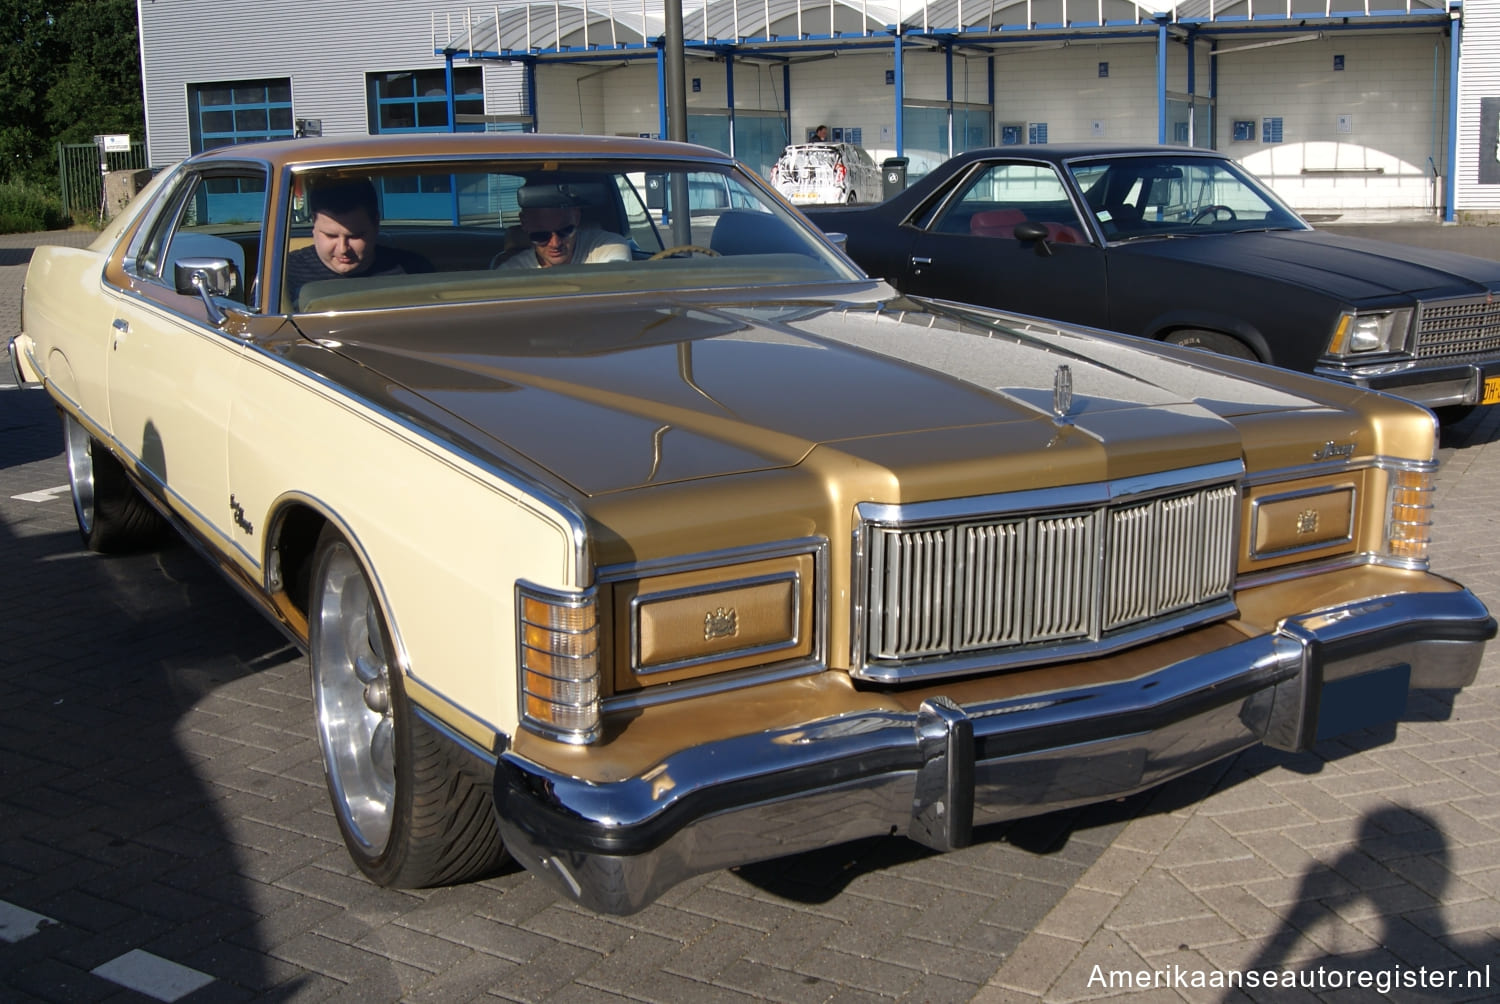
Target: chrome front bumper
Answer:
[[18, 375], [1435, 384], [937, 772]]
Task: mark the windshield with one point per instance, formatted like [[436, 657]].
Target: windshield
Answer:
[[382, 235], [1164, 195]]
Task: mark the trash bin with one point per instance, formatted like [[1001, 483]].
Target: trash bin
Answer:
[[893, 175]]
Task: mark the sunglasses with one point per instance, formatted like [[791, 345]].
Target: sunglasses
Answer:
[[545, 236]]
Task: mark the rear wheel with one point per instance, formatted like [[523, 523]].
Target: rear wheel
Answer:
[[112, 515], [413, 809], [1211, 341]]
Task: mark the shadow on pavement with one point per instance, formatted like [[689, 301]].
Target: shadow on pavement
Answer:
[[109, 678], [1400, 858]]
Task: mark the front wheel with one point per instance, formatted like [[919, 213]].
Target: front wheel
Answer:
[[1212, 341], [413, 809], [112, 515]]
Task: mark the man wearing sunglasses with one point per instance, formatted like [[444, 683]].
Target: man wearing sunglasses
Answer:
[[551, 220]]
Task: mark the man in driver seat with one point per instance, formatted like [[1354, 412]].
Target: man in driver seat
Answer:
[[551, 220]]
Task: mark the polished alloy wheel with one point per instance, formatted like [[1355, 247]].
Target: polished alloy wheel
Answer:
[[352, 692], [78, 444]]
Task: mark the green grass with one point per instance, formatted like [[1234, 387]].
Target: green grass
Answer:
[[26, 207]]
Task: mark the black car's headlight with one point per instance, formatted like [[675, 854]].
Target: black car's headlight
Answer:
[[1361, 332]]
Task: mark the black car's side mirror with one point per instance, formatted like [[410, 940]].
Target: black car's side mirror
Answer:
[[1030, 231]]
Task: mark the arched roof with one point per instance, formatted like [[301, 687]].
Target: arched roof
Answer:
[[520, 29]]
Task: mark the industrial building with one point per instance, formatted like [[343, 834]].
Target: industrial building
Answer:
[[1345, 110]]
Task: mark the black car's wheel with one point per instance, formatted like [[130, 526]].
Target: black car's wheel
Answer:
[[1211, 341], [412, 811], [112, 515]]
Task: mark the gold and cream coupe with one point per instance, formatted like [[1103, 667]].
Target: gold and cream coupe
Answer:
[[633, 569]]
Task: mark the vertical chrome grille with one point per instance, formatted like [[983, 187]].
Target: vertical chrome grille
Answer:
[[1007, 580], [1458, 328]]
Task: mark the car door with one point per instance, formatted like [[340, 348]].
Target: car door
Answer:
[[172, 370], [966, 248]]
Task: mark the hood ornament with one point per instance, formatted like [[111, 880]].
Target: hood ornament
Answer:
[[1062, 393]]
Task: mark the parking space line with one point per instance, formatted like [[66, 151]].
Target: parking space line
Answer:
[[45, 495], [16, 923], [152, 975]]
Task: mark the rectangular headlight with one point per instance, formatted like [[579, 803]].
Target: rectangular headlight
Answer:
[[1361, 332], [1409, 519], [558, 643]]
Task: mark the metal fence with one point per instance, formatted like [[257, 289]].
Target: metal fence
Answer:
[[82, 174]]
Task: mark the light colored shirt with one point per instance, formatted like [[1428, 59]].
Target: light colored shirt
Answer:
[[591, 245]]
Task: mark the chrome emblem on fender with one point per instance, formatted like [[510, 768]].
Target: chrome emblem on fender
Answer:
[[1062, 392], [720, 623], [1331, 450]]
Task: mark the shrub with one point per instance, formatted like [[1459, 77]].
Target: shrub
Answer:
[[26, 207]]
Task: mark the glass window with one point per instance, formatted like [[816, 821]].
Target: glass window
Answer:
[[242, 112], [460, 232], [219, 215], [1002, 195], [417, 100], [1160, 195]]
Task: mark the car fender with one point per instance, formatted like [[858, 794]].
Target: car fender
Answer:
[[1207, 320]]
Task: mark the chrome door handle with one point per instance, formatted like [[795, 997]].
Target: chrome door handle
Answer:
[[916, 260]]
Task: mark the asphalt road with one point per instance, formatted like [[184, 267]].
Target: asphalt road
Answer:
[[164, 832]]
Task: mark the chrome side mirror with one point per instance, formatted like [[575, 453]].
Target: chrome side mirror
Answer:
[[208, 277]]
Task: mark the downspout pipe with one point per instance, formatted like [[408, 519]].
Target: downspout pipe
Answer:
[[1455, 38], [1161, 81], [900, 103]]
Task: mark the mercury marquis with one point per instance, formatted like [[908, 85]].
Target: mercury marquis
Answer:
[[719, 550]]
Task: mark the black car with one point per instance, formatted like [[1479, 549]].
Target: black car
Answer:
[[1186, 246]]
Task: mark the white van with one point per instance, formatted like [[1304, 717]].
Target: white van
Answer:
[[826, 173]]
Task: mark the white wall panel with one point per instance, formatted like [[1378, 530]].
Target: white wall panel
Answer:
[[1391, 94], [1478, 77], [1062, 87]]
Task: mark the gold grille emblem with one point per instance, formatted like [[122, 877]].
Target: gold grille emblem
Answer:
[[1307, 521], [720, 623]]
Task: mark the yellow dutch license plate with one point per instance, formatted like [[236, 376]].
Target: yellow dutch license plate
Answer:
[[1491, 390]]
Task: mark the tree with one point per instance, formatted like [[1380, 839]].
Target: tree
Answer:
[[69, 70]]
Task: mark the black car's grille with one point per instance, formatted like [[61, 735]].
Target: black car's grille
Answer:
[[1006, 581], [1458, 328]]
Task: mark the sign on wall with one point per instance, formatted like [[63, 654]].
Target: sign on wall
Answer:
[[1489, 141]]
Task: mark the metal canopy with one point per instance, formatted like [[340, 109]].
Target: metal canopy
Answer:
[[784, 31], [580, 29]]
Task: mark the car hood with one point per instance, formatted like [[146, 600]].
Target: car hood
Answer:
[[1354, 269], [610, 399]]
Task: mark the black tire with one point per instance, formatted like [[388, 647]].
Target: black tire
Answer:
[[413, 807], [112, 516], [1212, 341]]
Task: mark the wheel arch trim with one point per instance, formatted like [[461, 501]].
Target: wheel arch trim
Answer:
[[426, 700]]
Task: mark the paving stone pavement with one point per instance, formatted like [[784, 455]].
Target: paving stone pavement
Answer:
[[163, 824]]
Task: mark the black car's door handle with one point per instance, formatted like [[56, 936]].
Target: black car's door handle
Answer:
[[919, 260]]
